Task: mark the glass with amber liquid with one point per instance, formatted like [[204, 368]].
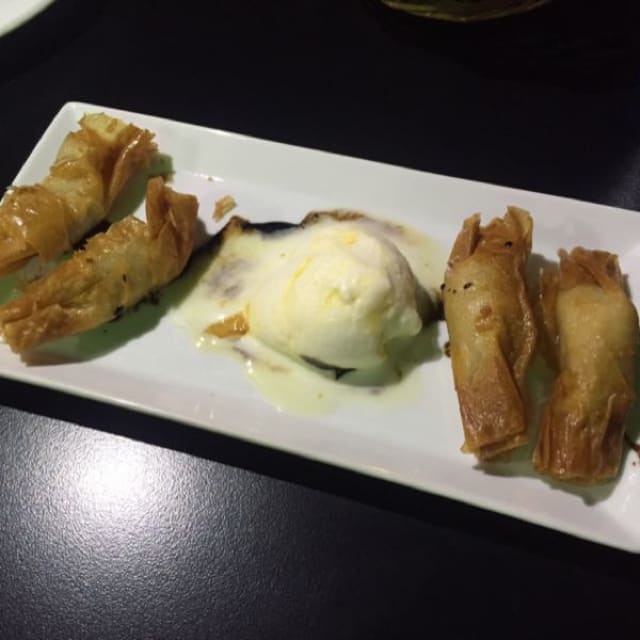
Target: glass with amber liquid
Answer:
[[463, 10]]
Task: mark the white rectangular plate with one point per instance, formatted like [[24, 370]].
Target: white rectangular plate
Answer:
[[159, 371]]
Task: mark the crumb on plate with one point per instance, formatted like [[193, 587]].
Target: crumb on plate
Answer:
[[223, 206]]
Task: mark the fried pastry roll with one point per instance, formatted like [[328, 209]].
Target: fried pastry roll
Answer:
[[492, 330], [92, 166], [113, 272], [592, 327]]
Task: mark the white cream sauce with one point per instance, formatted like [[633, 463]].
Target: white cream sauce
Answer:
[[228, 283]]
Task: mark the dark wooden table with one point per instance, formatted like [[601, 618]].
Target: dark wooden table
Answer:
[[215, 538]]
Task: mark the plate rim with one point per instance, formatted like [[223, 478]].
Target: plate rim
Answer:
[[30, 8]]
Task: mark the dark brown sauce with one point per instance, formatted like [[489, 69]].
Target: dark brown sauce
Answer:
[[633, 445]]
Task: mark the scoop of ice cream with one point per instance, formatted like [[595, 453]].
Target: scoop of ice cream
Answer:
[[337, 298]]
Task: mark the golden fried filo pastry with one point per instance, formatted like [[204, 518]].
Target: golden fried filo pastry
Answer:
[[592, 327], [115, 270], [492, 330], [92, 166]]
